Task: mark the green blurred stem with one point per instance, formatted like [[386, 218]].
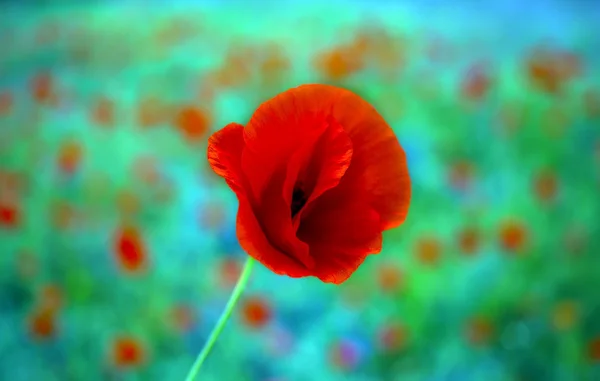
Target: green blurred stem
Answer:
[[214, 335]]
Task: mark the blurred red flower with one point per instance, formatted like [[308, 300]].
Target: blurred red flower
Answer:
[[318, 175]]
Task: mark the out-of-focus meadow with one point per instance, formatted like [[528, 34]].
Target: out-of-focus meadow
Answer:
[[117, 242]]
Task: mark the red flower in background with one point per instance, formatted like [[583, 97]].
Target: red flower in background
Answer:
[[319, 175]]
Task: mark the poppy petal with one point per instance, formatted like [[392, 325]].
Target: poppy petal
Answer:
[[334, 154], [224, 154], [378, 161], [341, 235], [348, 223], [297, 164], [378, 169], [253, 240], [277, 129], [273, 212], [320, 167], [335, 267]]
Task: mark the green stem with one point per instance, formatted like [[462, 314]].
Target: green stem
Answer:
[[235, 295]]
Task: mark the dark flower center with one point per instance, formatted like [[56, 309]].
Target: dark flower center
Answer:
[[298, 200]]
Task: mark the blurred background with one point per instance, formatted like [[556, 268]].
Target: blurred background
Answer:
[[117, 242]]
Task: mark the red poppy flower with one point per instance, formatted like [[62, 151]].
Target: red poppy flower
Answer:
[[318, 175]]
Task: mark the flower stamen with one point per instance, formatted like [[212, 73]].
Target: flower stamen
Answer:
[[298, 200]]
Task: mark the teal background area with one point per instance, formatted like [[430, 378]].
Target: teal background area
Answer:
[[494, 276]]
